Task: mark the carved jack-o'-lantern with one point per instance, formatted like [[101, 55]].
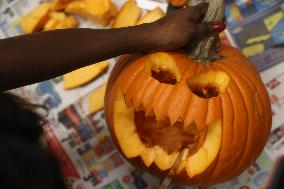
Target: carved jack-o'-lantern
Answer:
[[209, 109]]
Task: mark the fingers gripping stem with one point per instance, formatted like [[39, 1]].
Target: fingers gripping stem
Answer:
[[202, 51]]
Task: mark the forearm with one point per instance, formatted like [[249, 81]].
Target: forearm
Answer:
[[41, 56]]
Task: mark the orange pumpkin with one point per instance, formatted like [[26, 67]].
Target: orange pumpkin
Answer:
[[209, 112]]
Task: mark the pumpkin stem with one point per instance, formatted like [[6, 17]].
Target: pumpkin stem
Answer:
[[204, 50]]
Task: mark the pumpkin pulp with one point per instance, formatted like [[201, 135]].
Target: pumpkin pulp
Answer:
[[164, 77], [208, 85], [206, 92], [172, 138]]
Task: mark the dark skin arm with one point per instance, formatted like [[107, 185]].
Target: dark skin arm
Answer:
[[32, 58]]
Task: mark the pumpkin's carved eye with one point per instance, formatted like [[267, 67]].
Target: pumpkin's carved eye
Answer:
[[210, 84], [163, 68], [164, 76]]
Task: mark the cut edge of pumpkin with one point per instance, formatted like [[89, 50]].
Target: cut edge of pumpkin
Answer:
[[209, 85], [207, 153], [132, 146], [162, 67]]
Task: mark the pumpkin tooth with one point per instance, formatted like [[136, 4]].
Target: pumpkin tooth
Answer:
[[138, 108], [197, 112], [162, 117], [179, 104], [189, 118], [173, 120], [137, 105], [163, 160], [147, 98], [162, 104], [128, 102], [149, 113], [148, 156], [137, 99], [158, 96]]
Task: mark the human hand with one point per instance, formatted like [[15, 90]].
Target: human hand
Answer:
[[181, 26]]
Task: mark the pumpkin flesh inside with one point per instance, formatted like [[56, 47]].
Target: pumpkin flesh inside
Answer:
[[164, 76], [210, 84], [172, 138], [160, 141], [163, 68], [226, 100], [160, 146]]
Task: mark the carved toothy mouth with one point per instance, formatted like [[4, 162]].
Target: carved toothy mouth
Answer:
[[135, 140], [172, 138], [150, 124]]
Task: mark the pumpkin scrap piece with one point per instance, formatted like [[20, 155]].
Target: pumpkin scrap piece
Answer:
[[59, 20], [100, 11], [84, 75], [35, 20], [96, 99], [128, 15], [59, 4], [151, 16]]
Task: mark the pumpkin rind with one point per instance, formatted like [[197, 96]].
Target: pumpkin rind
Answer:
[[243, 108]]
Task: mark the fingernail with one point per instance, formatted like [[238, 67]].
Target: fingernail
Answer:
[[218, 27], [178, 3]]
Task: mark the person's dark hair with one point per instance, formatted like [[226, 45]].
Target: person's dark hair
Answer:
[[24, 164]]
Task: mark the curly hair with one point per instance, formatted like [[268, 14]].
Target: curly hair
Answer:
[[24, 164]]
